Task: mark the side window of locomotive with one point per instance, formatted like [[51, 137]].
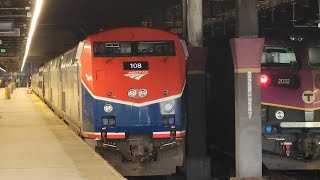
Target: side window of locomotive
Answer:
[[134, 48], [112, 49], [156, 48], [278, 56], [314, 56]]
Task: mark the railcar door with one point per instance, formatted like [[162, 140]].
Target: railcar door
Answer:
[[74, 89], [63, 82], [46, 86]]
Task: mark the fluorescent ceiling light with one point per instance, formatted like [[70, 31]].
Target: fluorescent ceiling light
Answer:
[[34, 21], [2, 69]]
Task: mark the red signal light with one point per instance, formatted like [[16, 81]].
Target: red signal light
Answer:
[[265, 80]]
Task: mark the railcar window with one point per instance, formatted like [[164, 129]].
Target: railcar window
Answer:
[[134, 48], [314, 56], [278, 56]]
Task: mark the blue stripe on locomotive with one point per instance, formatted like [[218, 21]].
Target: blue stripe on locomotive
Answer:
[[129, 119]]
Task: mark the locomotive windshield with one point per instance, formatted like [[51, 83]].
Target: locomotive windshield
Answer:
[[134, 48], [314, 56], [278, 56]]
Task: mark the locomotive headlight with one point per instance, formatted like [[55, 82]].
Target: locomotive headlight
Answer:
[[108, 108], [168, 107], [132, 93], [143, 93], [279, 114]]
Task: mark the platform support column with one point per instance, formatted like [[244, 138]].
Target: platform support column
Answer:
[[247, 52], [195, 24], [197, 163]]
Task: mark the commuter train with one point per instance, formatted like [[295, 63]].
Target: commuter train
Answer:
[[290, 97], [123, 89], [290, 109]]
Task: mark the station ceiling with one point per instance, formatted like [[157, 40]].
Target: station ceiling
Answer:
[[63, 23]]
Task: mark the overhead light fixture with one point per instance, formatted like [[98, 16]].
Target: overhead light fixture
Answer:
[[2, 69], [32, 29]]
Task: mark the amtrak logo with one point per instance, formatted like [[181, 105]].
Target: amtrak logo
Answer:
[[137, 75]]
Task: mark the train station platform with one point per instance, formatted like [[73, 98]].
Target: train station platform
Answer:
[[36, 144]]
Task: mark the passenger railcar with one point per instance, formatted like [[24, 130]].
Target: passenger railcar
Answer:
[[290, 82], [123, 88]]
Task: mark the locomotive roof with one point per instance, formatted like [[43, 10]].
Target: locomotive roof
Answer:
[[137, 30]]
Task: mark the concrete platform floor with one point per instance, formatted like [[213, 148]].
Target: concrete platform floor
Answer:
[[36, 144]]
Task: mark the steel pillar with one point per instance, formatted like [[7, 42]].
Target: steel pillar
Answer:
[[247, 52], [184, 20], [197, 163], [247, 18], [194, 18]]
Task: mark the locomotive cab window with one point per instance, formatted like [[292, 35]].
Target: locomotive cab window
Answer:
[[278, 57], [134, 48], [314, 56], [156, 48], [112, 49]]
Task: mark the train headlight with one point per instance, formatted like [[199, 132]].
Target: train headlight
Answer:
[[132, 93], [108, 108], [143, 93], [168, 107], [279, 115]]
